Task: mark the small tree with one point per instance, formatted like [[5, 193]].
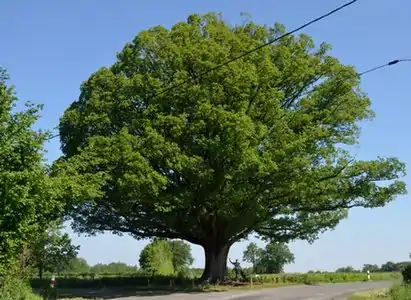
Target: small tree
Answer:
[[52, 250], [273, 258], [371, 267], [252, 254], [182, 257], [347, 269], [157, 258], [390, 266], [77, 265], [27, 194]]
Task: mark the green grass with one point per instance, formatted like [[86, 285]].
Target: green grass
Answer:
[[368, 295], [397, 292]]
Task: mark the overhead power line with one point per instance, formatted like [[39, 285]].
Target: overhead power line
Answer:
[[393, 62], [261, 46], [251, 51]]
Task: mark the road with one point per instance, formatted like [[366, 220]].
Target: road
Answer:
[[318, 292]]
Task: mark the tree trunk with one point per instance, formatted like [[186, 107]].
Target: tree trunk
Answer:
[[215, 263], [40, 272]]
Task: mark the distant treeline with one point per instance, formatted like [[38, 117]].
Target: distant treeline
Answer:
[[373, 268]]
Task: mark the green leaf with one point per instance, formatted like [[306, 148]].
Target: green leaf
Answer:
[[258, 145]]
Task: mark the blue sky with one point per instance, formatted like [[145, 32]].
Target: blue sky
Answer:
[[50, 47]]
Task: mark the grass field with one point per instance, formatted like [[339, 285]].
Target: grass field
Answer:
[[397, 292]]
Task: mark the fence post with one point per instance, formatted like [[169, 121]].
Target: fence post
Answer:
[[251, 280]]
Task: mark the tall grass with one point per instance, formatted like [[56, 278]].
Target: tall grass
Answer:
[[400, 292]]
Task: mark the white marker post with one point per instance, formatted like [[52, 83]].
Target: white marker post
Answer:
[[53, 281], [368, 275]]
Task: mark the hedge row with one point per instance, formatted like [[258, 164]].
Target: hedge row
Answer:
[[324, 277], [137, 280]]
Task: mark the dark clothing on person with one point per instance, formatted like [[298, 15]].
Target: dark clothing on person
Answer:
[[237, 269]]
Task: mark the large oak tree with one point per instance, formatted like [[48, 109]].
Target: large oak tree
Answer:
[[259, 145]]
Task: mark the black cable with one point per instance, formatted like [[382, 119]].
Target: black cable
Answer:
[[261, 46], [250, 51], [393, 62]]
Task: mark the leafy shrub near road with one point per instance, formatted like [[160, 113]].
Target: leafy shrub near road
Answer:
[[400, 292], [137, 280], [15, 288], [406, 274], [397, 292]]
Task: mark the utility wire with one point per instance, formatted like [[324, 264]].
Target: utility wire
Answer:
[[393, 62], [250, 51], [261, 46]]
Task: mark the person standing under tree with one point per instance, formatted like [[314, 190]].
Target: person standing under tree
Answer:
[[237, 268]]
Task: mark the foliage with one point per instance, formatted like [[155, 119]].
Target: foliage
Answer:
[[157, 258], [273, 258], [77, 265], [52, 250], [139, 280], [28, 195], [406, 274], [347, 269], [397, 292], [270, 260], [400, 292], [115, 267], [14, 288], [390, 266], [182, 257], [252, 254], [371, 268], [260, 145]]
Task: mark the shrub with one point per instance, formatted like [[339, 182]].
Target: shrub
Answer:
[[14, 288], [401, 292], [406, 274]]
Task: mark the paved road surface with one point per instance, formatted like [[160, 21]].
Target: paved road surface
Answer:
[[319, 292]]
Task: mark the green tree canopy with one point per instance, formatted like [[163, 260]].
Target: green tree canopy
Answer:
[[273, 258], [157, 258], [259, 145], [370, 267], [77, 265], [28, 197], [52, 250], [347, 269], [252, 254], [390, 266], [182, 257], [114, 267]]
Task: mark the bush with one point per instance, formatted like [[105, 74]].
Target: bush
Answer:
[[406, 274], [401, 292], [16, 289]]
